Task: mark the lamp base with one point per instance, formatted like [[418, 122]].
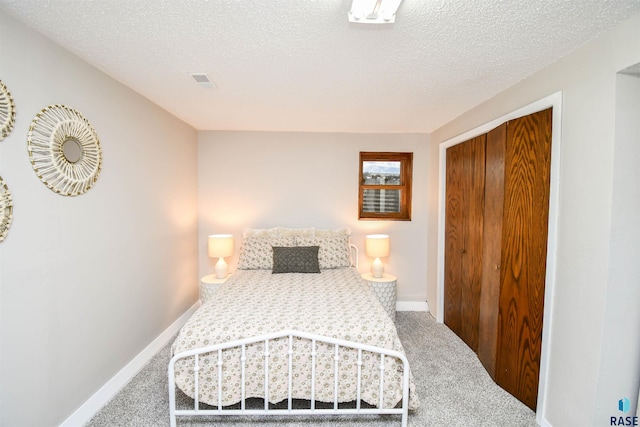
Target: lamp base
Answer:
[[377, 269], [221, 268]]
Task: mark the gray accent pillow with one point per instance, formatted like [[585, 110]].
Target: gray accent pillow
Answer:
[[297, 259]]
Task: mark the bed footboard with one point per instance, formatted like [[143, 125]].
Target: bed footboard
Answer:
[[290, 335]]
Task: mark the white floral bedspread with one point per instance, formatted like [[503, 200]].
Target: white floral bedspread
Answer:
[[335, 303]]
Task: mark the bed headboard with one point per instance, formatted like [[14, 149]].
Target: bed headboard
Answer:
[[354, 255]]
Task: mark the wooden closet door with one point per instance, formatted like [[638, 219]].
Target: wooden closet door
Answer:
[[463, 238], [524, 255], [492, 247]]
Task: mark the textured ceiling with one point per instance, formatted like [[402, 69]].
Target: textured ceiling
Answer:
[[299, 65]]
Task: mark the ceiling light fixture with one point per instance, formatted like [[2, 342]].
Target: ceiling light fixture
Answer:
[[373, 11]]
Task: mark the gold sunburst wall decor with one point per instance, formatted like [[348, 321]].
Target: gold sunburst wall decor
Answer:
[[6, 209], [7, 111], [64, 150]]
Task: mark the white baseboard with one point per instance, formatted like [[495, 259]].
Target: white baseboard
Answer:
[[412, 306], [84, 413], [545, 423]]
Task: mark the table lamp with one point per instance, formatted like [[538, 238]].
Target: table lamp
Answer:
[[220, 246], [377, 246]]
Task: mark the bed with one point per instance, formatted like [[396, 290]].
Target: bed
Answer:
[[295, 323]]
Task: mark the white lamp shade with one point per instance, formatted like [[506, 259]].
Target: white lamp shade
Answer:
[[377, 245], [220, 245]]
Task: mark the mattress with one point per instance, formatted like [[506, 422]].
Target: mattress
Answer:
[[335, 303]]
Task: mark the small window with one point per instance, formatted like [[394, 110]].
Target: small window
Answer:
[[385, 186]]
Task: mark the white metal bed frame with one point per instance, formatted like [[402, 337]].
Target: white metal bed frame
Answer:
[[354, 256], [315, 339], [290, 335]]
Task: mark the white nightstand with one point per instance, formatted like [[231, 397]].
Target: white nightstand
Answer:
[[385, 289], [209, 285]]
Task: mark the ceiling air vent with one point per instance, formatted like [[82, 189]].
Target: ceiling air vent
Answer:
[[202, 80]]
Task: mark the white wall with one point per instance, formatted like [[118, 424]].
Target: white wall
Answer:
[[87, 282], [619, 375], [263, 179], [587, 79]]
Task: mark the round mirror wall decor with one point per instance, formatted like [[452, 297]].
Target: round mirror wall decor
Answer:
[[64, 150], [7, 112], [6, 209]]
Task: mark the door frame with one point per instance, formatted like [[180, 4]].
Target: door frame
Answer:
[[554, 101]]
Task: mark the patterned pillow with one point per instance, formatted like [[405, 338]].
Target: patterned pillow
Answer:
[[334, 249], [299, 259], [256, 253], [277, 232]]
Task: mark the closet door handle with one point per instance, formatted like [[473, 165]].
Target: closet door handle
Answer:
[[496, 267]]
